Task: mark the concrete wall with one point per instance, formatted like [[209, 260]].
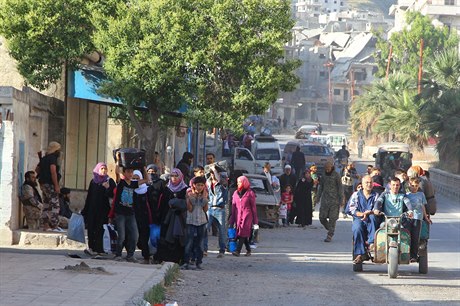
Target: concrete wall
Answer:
[[446, 183], [35, 120]]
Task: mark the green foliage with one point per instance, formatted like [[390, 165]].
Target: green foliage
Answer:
[[44, 35], [406, 44]]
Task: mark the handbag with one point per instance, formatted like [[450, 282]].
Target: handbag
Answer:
[[76, 229]]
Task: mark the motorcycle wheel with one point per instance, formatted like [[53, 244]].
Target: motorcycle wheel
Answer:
[[423, 258], [358, 267], [393, 260]]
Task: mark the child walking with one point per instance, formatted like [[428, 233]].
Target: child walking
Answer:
[[283, 213], [123, 211], [197, 207], [287, 198]]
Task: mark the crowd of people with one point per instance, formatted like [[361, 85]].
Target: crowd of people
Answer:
[[190, 202]]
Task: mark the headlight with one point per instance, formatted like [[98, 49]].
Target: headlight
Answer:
[[392, 224]]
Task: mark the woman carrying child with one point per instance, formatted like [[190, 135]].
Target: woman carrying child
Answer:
[[143, 216]]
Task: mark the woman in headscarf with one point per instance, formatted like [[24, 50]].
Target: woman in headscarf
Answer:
[[302, 198], [97, 207], [171, 215], [143, 216], [244, 214]]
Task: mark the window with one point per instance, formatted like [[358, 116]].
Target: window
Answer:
[[336, 92], [268, 154], [449, 2], [322, 55], [345, 95], [322, 74]]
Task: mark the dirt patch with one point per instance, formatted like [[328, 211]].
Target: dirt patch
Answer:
[[84, 268]]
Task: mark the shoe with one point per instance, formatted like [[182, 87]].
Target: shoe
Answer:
[[220, 255], [328, 238], [358, 259], [236, 253], [192, 262], [253, 246], [199, 267], [205, 253], [413, 260], [145, 261], [185, 267], [247, 254], [118, 258], [88, 252], [131, 259]]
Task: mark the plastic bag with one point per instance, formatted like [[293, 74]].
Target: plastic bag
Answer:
[[154, 234], [76, 230], [109, 239]]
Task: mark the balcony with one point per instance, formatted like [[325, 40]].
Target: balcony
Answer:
[[445, 10]]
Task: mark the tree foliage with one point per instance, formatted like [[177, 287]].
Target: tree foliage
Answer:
[[44, 35], [221, 59], [406, 44]]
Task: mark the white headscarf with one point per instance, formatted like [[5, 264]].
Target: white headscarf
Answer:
[[142, 188]]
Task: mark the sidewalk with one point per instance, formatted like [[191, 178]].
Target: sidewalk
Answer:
[[30, 276]]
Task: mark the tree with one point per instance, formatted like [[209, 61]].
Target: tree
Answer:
[[223, 59], [406, 44], [43, 36], [369, 108], [441, 114]]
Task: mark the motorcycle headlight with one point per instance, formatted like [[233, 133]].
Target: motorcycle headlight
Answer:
[[392, 224]]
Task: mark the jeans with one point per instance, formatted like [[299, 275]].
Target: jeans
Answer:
[[194, 243], [127, 234], [217, 214], [414, 229]]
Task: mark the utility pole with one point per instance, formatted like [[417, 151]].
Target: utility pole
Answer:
[[329, 65], [420, 69]]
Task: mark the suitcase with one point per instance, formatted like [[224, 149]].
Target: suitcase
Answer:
[[130, 158]]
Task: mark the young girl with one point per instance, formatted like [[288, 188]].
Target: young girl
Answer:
[[197, 207], [287, 198]]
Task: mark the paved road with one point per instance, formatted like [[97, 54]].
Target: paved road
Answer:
[[293, 266]]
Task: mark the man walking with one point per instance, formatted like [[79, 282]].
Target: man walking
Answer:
[[361, 144], [298, 162], [330, 194]]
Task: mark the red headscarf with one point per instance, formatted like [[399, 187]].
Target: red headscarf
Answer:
[[419, 170], [244, 183]]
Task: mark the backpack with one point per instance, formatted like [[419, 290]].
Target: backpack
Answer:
[[347, 180]]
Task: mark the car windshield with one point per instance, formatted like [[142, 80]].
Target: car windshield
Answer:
[[315, 150], [337, 140], [268, 154], [258, 185]]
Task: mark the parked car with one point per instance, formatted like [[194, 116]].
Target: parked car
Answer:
[[314, 152], [318, 138], [266, 201]]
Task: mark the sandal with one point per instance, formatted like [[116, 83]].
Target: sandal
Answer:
[[358, 259], [328, 238]]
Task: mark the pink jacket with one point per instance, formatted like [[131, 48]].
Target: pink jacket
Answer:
[[244, 213]]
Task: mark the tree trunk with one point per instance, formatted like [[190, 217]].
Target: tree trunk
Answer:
[[147, 134]]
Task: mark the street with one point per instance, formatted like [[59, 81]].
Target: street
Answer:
[[293, 266]]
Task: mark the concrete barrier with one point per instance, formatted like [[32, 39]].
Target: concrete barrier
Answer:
[[446, 183]]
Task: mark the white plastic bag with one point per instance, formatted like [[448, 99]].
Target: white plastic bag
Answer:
[[106, 239], [76, 230]]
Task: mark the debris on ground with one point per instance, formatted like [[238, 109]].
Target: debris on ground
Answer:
[[84, 268]]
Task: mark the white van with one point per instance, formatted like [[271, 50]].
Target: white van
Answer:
[[336, 141], [263, 149]]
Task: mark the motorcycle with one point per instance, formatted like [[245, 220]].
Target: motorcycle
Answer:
[[392, 247]]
